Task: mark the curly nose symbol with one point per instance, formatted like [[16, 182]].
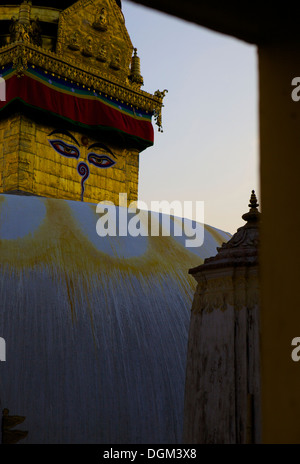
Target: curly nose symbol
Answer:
[[84, 172]]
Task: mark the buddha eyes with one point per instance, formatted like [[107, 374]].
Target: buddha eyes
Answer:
[[70, 151], [64, 149], [101, 161]]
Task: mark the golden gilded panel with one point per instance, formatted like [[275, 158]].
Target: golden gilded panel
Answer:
[[52, 162], [94, 35]]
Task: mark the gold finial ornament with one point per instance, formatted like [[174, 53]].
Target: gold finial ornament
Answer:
[[135, 75], [24, 12]]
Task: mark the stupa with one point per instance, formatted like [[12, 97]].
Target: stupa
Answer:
[[96, 327]]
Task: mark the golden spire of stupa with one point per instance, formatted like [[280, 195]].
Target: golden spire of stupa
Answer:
[[73, 83]]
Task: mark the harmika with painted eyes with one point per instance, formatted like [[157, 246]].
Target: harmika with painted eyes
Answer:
[[102, 161]]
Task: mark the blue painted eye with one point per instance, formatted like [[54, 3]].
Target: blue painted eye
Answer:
[[101, 161], [64, 149]]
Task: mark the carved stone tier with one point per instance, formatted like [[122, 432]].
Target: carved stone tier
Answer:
[[241, 249]]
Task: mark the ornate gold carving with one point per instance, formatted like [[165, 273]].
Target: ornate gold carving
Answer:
[[104, 62], [116, 61], [88, 50], [24, 29], [157, 112], [100, 24], [19, 32], [22, 54], [102, 54], [19, 60], [160, 94], [75, 42], [104, 31]]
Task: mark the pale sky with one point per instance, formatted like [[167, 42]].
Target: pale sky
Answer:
[[209, 148]]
